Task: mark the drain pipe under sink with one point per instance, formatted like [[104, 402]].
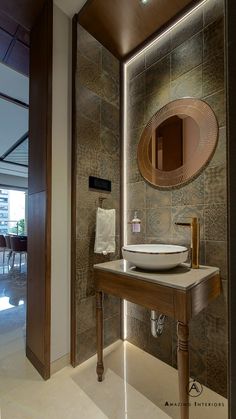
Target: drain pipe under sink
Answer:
[[157, 323]]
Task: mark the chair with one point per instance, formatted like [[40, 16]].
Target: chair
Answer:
[[3, 247], [18, 245], [8, 247]]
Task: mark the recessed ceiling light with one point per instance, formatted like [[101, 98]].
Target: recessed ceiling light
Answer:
[[144, 1]]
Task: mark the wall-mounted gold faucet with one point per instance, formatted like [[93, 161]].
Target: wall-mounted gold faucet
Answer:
[[195, 241]]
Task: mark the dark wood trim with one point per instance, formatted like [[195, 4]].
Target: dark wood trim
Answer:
[[37, 364], [179, 304], [14, 146], [168, 300], [48, 224], [163, 28], [13, 100], [86, 4], [73, 193], [38, 332], [230, 8]]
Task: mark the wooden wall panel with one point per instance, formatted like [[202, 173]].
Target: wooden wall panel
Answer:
[[36, 313], [40, 103], [24, 12], [39, 219], [123, 26]]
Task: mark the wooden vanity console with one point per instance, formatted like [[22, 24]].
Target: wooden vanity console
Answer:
[[180, 293]]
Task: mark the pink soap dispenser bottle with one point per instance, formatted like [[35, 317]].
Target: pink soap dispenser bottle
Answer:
[[136, 223]]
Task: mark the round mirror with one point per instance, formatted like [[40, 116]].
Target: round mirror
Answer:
[[177, 143]]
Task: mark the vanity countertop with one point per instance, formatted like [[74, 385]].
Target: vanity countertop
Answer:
[[181, 277]]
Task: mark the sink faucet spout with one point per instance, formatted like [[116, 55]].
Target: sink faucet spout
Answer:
[[195, 240]]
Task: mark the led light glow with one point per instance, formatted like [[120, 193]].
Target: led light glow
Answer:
[[125, 136], [161, 35]]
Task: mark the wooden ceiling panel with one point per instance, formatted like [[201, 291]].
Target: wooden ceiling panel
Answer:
[[24, 12], [7, 24], [124, 25]]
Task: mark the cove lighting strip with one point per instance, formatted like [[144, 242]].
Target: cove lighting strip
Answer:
[[125, 131]]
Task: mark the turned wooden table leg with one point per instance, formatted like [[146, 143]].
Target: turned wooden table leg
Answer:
[[99, 315], [183, 368]]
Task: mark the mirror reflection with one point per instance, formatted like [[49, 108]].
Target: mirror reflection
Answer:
[[173, 142], [177, 143]]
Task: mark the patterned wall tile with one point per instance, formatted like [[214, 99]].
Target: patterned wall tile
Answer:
[[196, 61], [91, 76], [87, 134], [110, 142], [213, 39], [215, 222], [216, 255], [191, 194], [212, 11], [158, 222], [219, 156], [217, 368], [133, 172], [215, 185], [156, 101], [88, 45], [217, 102], [186, 56], [137, 67], [109, 168], [110, 116], [138, 312], [188, 85], [134, 137], [86, 345], [110, 65], [112, 330], [85, 222], [98, 154], [156, 198], [136, 118], [136, 195], [185, 213], [213, 75], [217, 353], [88, 103], [111, 306], [137, 89], [155, 53], [86, 314], [157, 75], [137, 332], [185, 30]]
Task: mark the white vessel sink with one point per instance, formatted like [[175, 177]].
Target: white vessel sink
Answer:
[[155, 256]]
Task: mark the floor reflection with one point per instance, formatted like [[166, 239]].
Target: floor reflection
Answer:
[[12, 298]]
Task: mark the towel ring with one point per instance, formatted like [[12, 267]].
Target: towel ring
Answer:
[[100, 201]]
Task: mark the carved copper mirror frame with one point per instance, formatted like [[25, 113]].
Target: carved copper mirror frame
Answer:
[[204, 116]]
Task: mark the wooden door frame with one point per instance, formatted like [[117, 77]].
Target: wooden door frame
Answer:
[[40, 167]]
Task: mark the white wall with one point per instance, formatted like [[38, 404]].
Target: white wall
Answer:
[[61, 138]]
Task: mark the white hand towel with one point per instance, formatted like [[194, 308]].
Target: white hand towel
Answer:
[[105, 231]]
